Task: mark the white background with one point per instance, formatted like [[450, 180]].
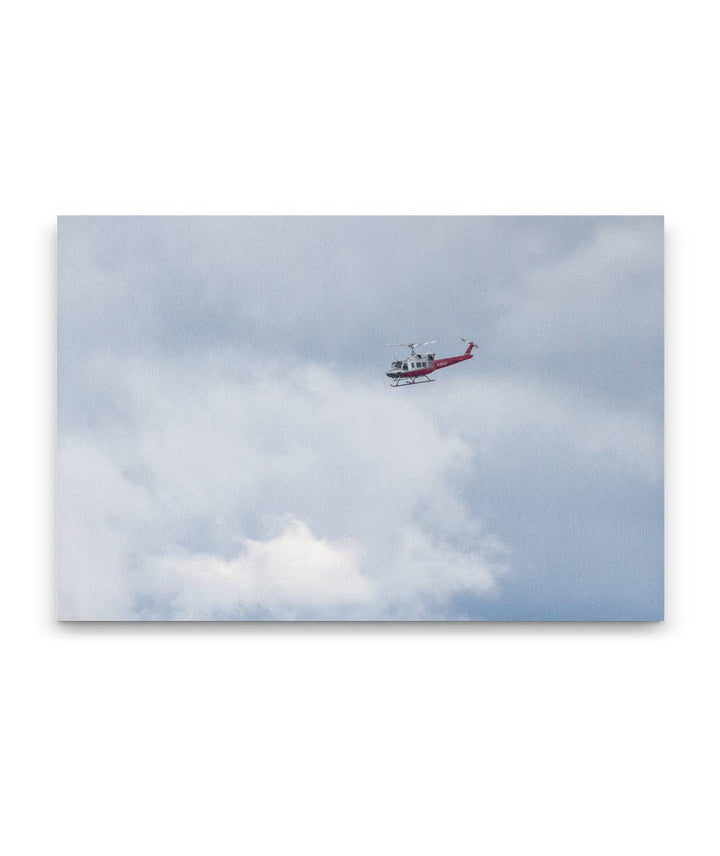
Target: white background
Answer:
[[357, 739]]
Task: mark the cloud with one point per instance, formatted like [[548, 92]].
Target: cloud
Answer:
[[597, 292], [101, 515], [167, 513], [298, 575], [221, 398], [292, 574], [504, 415]]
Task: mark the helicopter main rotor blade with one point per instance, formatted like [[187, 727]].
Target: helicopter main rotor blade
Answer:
[[412, 344]]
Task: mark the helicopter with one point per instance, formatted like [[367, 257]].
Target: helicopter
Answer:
[[416, 367]]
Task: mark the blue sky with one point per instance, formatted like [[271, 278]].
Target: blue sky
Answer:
[[229, 447]]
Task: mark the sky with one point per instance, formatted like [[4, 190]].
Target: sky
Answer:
[[229, 446]]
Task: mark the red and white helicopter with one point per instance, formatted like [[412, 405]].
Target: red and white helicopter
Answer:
[[416, 367]]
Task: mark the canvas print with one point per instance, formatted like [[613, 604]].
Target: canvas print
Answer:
[[360, 418]]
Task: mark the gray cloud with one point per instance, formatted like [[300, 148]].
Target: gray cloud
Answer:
[[221, 398]]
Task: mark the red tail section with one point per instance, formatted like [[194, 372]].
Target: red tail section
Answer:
[[470, 346]]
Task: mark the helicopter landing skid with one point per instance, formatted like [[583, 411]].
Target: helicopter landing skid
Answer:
[[411, 381]]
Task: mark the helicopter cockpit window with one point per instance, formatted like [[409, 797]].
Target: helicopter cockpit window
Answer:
[[405, 367]]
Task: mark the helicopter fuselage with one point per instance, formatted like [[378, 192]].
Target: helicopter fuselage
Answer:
[[416, 367]]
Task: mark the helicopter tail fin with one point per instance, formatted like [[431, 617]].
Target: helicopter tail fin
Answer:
[[470, 346]]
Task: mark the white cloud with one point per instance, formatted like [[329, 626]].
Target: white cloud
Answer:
[[593, 294], [291, 574], [369, 482], [191, 423], [372, 487], [100, 520], [500, 415]]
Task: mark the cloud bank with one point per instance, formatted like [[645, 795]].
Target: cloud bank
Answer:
[[366, 492], [228, 446]]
